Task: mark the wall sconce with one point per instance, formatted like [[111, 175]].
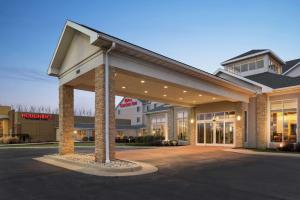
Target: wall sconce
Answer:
[[192, 121], [238, 118], [75, 132]]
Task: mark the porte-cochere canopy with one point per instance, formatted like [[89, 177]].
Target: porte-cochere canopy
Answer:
[[80, 62]]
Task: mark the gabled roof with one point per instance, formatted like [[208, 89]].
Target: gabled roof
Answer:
[[274, 80], [252, 53], [289, 65], [104, 41]]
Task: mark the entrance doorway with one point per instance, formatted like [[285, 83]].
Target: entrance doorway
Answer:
[[216, 128]]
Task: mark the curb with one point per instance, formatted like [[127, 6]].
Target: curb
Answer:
[[141, 169], [251, 152]]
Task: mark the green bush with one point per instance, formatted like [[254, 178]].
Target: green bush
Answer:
[[150, 140]]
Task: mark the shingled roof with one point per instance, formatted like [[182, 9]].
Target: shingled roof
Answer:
[[248, 53], [274, 80], [289, 64]]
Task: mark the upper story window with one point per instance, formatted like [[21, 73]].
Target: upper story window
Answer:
[[138, 109], [155, 105], [119, 112], [138, 119], [245, 66]]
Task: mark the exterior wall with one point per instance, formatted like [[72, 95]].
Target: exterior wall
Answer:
[[38, 130], [130, 112]]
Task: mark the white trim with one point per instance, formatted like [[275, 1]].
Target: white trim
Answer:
[[263, 87], [253, 55], [290, 68]]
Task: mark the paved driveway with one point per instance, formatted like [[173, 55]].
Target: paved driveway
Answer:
[[184, 173]]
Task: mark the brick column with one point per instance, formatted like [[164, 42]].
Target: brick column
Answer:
[[66, 119], [192, 129], [261, 120], [239, 125], [100, 114]]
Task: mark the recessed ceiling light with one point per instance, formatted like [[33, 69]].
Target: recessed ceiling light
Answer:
[[165, 86], [214, 98], [123, 87], [184, 91], [180, 98], [146, 91], [142, 81], [200, 95], [164, 95], [116, 74]]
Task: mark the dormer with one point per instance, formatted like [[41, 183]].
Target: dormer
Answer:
[[254, 62]]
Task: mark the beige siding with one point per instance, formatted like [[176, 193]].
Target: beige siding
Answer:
[[79, 49]]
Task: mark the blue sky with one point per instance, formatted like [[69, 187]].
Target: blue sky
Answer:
[[199, 33]]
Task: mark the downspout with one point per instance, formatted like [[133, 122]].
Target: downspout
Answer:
[[107, 159]]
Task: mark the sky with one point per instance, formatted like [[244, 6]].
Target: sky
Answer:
[[198, 33]]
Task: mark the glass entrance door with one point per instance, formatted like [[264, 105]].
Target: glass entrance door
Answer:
[[216, 132]]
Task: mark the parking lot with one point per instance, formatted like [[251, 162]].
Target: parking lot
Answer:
[[184, 173]]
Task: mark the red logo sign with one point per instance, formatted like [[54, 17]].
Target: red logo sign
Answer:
[[127, 103], [36, 116]]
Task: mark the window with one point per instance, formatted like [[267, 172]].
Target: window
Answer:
[[245, 126], [119, 112], [237, 68], [138, 109], [158, 124], [155, 105], [138, 119], [252, 66], [148, 108], [259, 64], [283, 121], [244, 67], [182, 125]]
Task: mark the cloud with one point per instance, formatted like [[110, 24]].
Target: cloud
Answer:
[[24, 74]]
